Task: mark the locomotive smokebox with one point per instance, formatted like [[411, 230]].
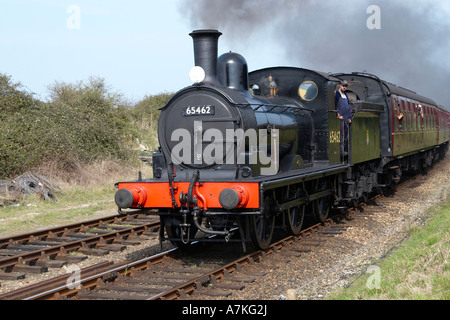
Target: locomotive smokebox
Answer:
[[206, 51]]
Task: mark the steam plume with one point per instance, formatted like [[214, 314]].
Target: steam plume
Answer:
[[411, 49]]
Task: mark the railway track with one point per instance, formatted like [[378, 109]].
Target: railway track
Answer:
[[177, 274], [36, 252]]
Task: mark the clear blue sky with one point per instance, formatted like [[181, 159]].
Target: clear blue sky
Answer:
[[139, 47]]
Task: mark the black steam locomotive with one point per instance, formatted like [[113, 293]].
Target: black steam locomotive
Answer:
[[241, 153]]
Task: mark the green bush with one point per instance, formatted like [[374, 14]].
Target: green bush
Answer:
[[99, 125], [145, 116], [17, 137], [13, 97], [81, 123]]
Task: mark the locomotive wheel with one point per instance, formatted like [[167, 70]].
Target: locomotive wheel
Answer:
[[294, 219], [174, 231], [322, 205], [261, 227]]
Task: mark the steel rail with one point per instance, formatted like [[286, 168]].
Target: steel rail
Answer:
[[74, 245], [58, 230], [52, 290], [91, 280], [218, 274]]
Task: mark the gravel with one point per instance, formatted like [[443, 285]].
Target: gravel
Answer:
[[369, 237]]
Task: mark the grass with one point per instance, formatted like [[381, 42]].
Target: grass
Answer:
[[418, 270], [89, 196]]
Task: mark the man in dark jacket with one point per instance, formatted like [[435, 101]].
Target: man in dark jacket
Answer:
[[344, 113]]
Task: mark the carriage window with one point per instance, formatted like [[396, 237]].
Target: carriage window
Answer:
[[395, 112], [401, 117], [308, 90]]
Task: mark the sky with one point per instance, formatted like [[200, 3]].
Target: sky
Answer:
[[143, 47], [138, 47]]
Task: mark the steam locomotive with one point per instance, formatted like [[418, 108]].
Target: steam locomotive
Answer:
[[242, 153]]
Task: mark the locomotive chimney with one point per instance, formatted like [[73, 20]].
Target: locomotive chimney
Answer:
[[205, 52]]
